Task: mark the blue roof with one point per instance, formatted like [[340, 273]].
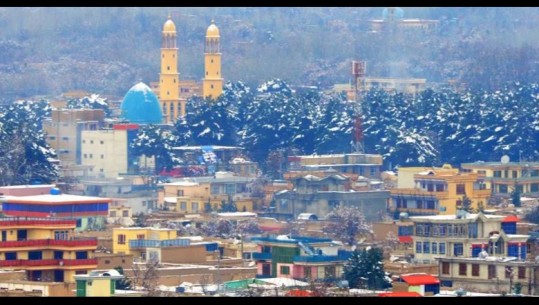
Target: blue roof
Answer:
[[141, 106]]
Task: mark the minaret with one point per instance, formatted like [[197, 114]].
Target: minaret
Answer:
[[169, 94], [213, 81]]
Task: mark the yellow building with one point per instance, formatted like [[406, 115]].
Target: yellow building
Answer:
[[169, 94], [213, 81], [97, 283], [439, 192], [405, 177], [504, 178], [122, 237], [45, 248], [191, 196]]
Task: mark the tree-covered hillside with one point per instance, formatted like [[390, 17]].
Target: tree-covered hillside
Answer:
[[46, 51]]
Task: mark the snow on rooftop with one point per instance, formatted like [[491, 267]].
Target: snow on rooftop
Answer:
[[141, 87], [237, 214], [281, 281]]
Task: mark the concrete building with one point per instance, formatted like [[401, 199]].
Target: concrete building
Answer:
[[366, 165], [97, 283], [26, 190], [320, 196], [393, 20], [466, 235], [424, 284], [88, 212], [64, 130], [122, 237], [439, 191], [45, 248], [489, 274], [504, 178], [191, 195], [300, 258], [107, 152]]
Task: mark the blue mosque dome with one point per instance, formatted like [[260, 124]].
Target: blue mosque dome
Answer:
[[395, 12], [141, 106]]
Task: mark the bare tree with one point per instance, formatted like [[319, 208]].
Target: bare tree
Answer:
[[347, 223], [391, 241], [146, 276]]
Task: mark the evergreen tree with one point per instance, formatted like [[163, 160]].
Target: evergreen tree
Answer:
[[467, 204], [365, 269], [123, 284], [152, 141]]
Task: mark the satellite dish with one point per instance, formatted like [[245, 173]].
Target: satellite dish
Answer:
[[504, 159]]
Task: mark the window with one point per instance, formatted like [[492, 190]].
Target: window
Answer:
[[125, 213], [426, 247], [91, 156], [112, 213], [418, 248], [521, 272], [285, 270], [445, 268], [85, 156], [475, 269], [431, 205], [373, 171], [461, 190], [11, 256], [503, 188], [100, 170], [121, 239], [179, 193], [458, 249], [442, 248], [81, 254], [329, 271], [434, 248], [497, 174], [430, 187], [419, 230], [107, 262], [102, 156], [534, 187], [515, 174], [440, 187], [140, 236], [211, 60], [462, 269], [194, 207], [183, 206], [211, 86], [91, 141], [168, 67], [491, 271]]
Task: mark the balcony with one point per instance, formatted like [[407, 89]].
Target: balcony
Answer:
[[414, 211], [149, 243], [263, 276], [48, 262], [261, 256], [29, 222], [413, 193], [90, 242]]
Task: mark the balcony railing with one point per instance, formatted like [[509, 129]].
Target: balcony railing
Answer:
[[49, 242], [48, 262], [149, 243], [261, 256], [19, 221]]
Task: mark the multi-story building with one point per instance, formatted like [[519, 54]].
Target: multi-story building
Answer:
[[504, 178], [88, 212], [466, 235], [97, 283], [319, 196], [393, 20], [106, 151], [121, 238], [192, 194], [45, 248], [489, 274], [402, 230], [64, 129], [300, 258], [366, 165], [422, 283], [439, 191]]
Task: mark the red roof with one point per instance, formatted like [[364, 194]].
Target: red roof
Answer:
[[299, 293], [510, 218], [420, 279], [405, 239], [400, 294]]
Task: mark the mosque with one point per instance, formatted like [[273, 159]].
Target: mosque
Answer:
[[164, 102]]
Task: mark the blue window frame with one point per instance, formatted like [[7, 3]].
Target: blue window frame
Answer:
[[458, 249], [442, 248], [418, 248]]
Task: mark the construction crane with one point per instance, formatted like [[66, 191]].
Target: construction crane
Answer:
[[358, 72]]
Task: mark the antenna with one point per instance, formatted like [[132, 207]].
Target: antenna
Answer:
[[505, 159]]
